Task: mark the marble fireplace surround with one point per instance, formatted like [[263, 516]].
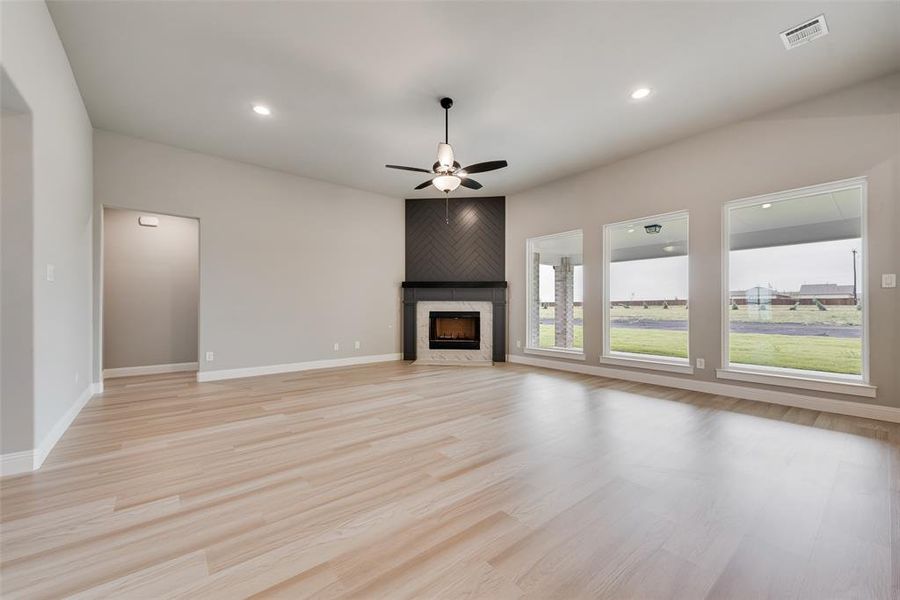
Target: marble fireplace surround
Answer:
[[420, 298], [426, 355]]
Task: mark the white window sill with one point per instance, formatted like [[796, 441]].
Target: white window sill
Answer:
[[641, 361], [855, 387], [556, 353]]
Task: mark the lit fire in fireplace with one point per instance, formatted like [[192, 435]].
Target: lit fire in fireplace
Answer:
[[454, 330]]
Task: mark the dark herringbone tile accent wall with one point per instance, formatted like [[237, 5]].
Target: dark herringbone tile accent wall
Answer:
[[470, 248]]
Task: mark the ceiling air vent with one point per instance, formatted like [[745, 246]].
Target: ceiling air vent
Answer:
[[805, 32]]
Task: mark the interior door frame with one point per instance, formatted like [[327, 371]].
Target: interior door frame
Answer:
[[102, 270]]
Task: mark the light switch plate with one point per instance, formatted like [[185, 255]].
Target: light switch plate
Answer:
[[337, 346], [51, 273], [701, 363], [356, 344], [888, 280], [210, 356]]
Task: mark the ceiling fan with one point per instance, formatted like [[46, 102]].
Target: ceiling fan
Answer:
[[447, 174]]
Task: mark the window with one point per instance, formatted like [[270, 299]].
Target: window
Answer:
[[555, 318], [794, 305], [646, 290]]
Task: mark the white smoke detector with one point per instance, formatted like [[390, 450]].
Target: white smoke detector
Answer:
[[805, 32]]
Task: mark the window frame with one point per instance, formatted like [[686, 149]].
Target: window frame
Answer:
[[646, 361], [783, 376], [573, 353]]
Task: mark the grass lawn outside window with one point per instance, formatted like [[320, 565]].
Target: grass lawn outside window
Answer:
[[548, 330], [823, 349], [649, 331]]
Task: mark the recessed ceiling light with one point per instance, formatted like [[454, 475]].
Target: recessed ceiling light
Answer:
[[669, 248], [262, 110], [640, 93], [631, 230], [767, 205]]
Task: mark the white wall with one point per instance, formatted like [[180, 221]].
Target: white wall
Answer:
[[847, 134], [35, 61], [151, 290], [288, 265]]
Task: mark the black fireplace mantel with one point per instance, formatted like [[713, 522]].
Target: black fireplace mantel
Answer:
[[454, 284]]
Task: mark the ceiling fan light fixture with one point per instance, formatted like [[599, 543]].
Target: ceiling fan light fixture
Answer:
[[446, 174], [445, 156], [446, 183]]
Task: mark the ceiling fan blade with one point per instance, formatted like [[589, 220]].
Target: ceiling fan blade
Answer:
[[491, 165], [470, 183], [402, 168], [423, 185]]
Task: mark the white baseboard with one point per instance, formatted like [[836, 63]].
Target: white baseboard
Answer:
[[25, 461], [150, 369], [15, 463], [43, 449], [203, 376], [830, 405]]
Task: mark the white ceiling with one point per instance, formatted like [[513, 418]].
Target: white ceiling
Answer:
[[633, 235], [794, 212], [630, 241], [552, 248], [799, 220], [544, 85]]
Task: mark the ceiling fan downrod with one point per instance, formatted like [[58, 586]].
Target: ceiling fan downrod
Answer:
[[446, 103]]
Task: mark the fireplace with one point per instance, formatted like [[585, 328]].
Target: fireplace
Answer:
[[486, 299], [454, 330]]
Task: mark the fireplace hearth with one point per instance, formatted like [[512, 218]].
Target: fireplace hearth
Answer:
[[454, 330]]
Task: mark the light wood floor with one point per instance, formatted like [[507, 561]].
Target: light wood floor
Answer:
[[392, 481]]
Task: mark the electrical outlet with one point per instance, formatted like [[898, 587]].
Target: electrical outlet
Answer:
[[210, 356], [356, 344], [337, 346], [888, 280], [701, 363], [51, 273]]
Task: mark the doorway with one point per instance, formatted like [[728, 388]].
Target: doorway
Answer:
[[16, 276], [151, 292]]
